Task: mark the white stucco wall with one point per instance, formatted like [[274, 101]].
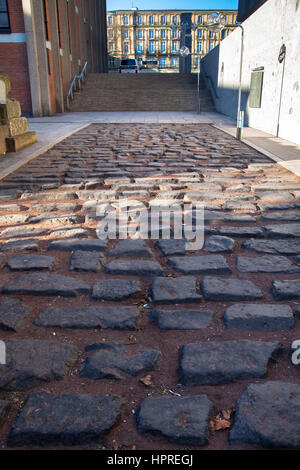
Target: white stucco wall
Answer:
[[277, 22]]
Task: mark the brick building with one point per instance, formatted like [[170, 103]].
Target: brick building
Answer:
[[154, 35], [44, 43]]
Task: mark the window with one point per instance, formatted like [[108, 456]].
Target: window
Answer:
[[110, 34], [125, 32], [126, 48], [139, 20], [224, 33], [256, 86], [151, 33], [163, 34], [174, 20], [140, 47], [211, 45], [162, 62], [200, 19], [151, 20], [197, 61], [174, 33], [199, 34], [211, 34], [162, 20], [151, 47], [140, 34], [199, 46], [174, 62], [125, 19], [163, 47], [110, 20], [174, 47]]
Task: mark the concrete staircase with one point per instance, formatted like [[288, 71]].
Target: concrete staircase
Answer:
[[141, 92]]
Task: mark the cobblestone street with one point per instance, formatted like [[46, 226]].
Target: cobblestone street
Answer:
[[143, 344]]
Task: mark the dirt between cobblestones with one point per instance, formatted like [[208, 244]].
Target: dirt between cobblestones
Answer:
[[165, 379]]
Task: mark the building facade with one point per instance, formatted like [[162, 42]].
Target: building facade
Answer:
[[153, 36], [45, 43], [270, 69]]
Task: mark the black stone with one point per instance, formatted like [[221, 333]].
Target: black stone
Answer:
[[167, 290], [130, 248], [264, 317], [285, 247], [281, 216], [217, 243], [41, 283], [268, 414], [283, 230], [210, 363], [68, 419], [112, 358], [209, 264], [180, 419], [253, 232], [12, 313], [31, 244], [229, 289], [29, 363], [22, 232], [172, 247], [133, 267], [119, 318], [85, 261], [286, 290], [266, 264], [88, 244], [115, 289], [30, 262], [182, 319]]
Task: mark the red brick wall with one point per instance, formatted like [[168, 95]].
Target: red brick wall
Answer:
[[13, 59]]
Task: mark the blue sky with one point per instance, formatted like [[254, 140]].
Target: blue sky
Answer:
[[172, 4]]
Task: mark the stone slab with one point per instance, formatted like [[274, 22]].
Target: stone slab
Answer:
[[30, 262], [116, 289], [88, 244], [182, 319], [130, 248], [12, 313], [286, 289], [85, 261], [285, 247], [266, 264], [167, 290], [229, 289], [134, 267], [262, 317]]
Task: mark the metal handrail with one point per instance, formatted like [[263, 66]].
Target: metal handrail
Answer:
[[80, 78]]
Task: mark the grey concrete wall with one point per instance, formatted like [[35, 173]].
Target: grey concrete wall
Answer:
[[274, 23]]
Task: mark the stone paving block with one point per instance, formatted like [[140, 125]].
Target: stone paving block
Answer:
[[283, 231], [12, 313], [167, 290], [30, 244], [68, 232], [268, 415], [172, 247], [265, 317], [12, 207], [48, 196], [227, 217], [266, 264], [130, 248], [119, 318], [209, 264], [111, 359], [183, 420], [116, 289], [281, 216], [32, 362], [14, 218], [182, 319], [286, 247], [286, 290], [210, 363], [88, 244], [216, 243], [55, 206], [22, 232], [41, 283], [214, 288], [30, 262], [85, 261], [65, 419], [241, 232], [238, 205], [51, 219], [134, 267], [99, 195]]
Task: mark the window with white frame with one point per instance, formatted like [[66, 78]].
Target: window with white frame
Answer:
[[151, 20], [174, 47], [162, 61], [211, 35], [151, 47], [199, 46], [163, 47], [126, 47], [125, 34], [199, 34], [200, 19], [163, 34], [110, 20], [211, 45], [139, 20], [151, 33], [140, 47], [140, 34], [174, 62], [162, 20], [174, 20], [110, 34], [125, 19], [174, 33]]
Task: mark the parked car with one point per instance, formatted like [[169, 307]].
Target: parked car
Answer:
[[129, 66]]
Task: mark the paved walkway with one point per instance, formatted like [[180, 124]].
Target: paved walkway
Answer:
[[51, 130], [147, 343]]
